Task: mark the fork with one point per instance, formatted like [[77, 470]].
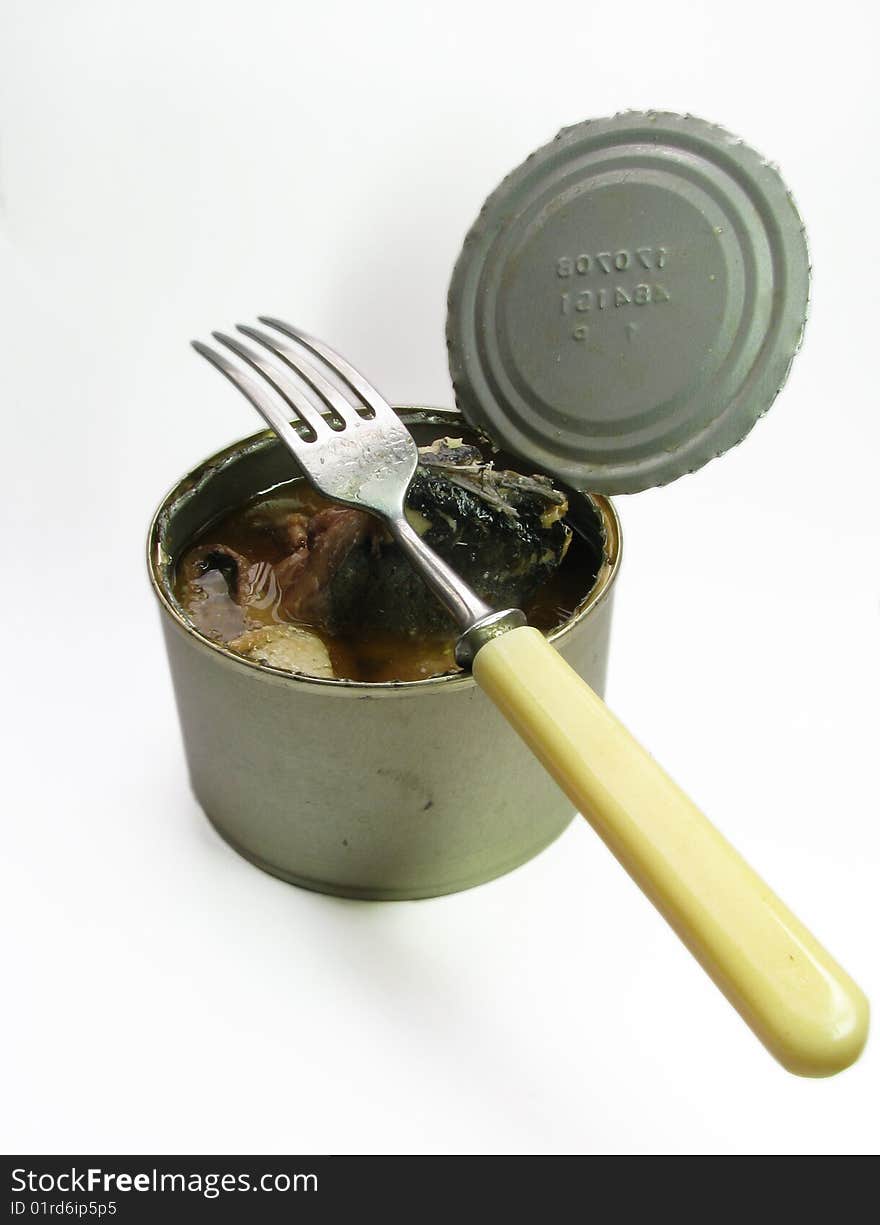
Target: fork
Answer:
[[353, 448], [367, 461]]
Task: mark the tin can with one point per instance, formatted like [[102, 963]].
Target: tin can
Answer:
[[376, 791]]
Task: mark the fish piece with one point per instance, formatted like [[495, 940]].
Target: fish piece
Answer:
[[307, 577], [501, 531], [232, 566], [280, 520], [288, 647], [218, 587]]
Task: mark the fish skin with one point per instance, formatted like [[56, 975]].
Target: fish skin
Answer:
[[488, 527]]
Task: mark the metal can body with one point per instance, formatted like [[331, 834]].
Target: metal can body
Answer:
[[381, 791]]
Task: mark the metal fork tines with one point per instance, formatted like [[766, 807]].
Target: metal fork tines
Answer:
[[350, 445]]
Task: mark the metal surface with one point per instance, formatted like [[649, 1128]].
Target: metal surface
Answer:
[[363, 461], [629, 301], [483, 631], [382, 791]]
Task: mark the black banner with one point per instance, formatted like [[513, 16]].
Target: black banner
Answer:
[[121, 1189]]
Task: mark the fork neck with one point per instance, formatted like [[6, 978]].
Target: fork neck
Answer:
[[477, 621], [464, 604]]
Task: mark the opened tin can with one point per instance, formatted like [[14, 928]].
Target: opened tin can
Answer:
[[398, 790], [624, 308]]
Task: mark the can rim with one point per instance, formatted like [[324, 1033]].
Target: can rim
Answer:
[[157, 560]]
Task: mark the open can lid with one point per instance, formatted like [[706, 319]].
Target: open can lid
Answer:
[[629, 301]]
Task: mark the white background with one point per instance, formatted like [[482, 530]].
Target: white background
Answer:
[[172, 167]]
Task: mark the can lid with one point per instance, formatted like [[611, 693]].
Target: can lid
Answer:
[[629, 301]]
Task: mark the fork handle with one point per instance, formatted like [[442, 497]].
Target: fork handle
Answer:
[[805, 1009]]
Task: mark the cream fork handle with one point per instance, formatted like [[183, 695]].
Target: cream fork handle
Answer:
[[805, 1009]]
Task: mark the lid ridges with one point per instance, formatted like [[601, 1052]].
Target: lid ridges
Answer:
[[619, 320]]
